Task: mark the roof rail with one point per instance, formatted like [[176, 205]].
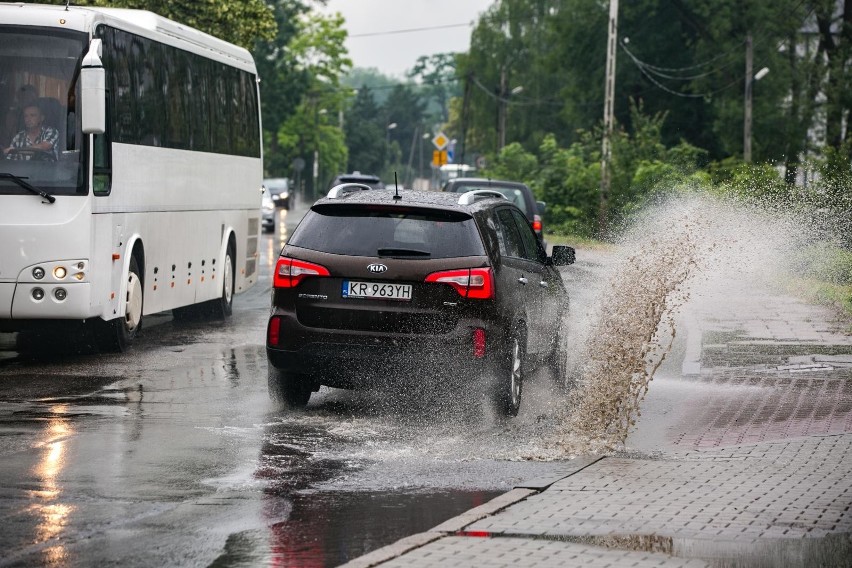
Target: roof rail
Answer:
[[344, 189], [471, 196]]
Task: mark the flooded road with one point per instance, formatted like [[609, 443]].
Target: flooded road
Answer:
[[173, 454]]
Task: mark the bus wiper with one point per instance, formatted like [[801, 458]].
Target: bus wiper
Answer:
[[20, 181], [402, 252]]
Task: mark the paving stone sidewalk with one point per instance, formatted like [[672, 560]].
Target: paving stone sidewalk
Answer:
[[760, 474]]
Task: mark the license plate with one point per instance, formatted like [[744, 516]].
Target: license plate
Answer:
[[376, 290]]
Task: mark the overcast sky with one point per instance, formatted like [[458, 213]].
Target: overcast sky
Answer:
[[393, 54]]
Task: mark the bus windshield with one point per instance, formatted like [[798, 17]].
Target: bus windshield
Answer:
[[40, 135]]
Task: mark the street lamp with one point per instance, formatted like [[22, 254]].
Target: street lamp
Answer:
[[388, 128], [426, 136], [502, 108]]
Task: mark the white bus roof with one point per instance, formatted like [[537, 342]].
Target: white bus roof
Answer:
[[142, 22]]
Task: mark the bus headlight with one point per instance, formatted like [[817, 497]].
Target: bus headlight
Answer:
[[60, 294], [38, 294], [59, 272], [38, 272]]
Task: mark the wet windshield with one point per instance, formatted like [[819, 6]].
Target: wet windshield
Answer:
[[40, 136]]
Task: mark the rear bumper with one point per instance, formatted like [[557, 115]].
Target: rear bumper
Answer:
[[353, 359]]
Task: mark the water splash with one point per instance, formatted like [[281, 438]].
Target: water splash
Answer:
[[684, 253]]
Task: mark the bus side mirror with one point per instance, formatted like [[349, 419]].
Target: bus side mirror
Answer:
[[93, 92]]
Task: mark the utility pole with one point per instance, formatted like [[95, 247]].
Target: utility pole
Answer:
[[609, 105], [465, 113], [502, 93], [749, 80]]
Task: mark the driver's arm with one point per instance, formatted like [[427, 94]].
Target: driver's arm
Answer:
[[51, 135]]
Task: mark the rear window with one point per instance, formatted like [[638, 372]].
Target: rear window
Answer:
[[397, 232], [513, 194]]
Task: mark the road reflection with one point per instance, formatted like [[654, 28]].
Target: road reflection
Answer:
[[52, 515]]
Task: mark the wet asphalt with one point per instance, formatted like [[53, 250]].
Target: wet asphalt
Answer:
[[173, 454]]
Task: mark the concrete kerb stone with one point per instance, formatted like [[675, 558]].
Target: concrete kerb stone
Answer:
[[447, 528], [457, 524]]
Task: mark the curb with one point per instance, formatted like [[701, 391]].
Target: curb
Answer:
[[456, 525]]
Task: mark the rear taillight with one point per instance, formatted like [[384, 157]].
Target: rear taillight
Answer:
[[273, 332], [475, 283], [479, 343], [289, 272], [536, 224]]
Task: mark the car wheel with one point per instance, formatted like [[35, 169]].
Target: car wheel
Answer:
[[119, 333], [557, 361], [509, 380], [289, 389]]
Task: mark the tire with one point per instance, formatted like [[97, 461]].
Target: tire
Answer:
[[509, 377], [116, 335], [224, 306], [557, 361], [289, 389]]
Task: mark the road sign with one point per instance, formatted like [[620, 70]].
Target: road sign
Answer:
[[439, 157], [440, 141]]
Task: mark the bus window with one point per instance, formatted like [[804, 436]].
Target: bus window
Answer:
[[38, 132]]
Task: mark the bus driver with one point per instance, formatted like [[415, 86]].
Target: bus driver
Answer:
[[34, 138]]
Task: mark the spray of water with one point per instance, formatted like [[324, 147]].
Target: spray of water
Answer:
[[676, 257]]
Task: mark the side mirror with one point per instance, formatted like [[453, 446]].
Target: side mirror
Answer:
[[563, 256], [93, 92], [541, 206]]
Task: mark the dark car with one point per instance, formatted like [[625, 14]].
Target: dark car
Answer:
[[279, 191], [267, 210], [376, 285], [518, 193], [374, 182]]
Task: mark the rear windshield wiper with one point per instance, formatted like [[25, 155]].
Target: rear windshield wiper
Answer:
[[20, 181], [402, 252]]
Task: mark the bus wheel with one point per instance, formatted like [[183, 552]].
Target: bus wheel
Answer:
[[118, 334], [224, 306]]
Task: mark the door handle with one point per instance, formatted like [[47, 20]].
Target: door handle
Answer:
[[543, 284], [523, 280]]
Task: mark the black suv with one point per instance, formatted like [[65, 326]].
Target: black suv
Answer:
[[518, 193], [407, 284]]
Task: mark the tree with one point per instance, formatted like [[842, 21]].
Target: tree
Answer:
[[834, 24], [364, 134], [379, 83], [318, 50], [437, 81], [284, 82], [237, 21], [404, 108]]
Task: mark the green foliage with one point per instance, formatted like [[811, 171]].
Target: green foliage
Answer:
[[364, 136], [436, 75], [826, 262], [242, 22], [512, 163], [569, 182], [317, 55]]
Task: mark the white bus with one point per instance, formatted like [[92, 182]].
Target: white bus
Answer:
[[149, 200]]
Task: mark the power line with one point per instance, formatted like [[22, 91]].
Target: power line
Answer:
[[411, 30], [662, 87]]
